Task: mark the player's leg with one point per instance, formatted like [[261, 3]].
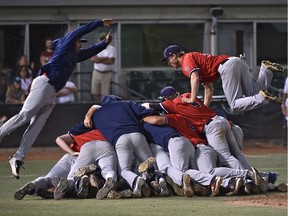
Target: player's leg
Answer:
[[238, 81], [41, 93], [126, 157], [215, 132], [107, 161]]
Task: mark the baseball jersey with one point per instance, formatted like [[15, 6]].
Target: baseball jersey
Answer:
[[116, 118], [206, 64], [81, 139], [65, 57], [197, 112], [185, 128], [159, 135]]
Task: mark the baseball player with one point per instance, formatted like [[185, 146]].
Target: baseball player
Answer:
[[52, 77], [180, 163], [237, 80], [206, 156], [118, 120], [217, 129], [71, 144], [95, 150]]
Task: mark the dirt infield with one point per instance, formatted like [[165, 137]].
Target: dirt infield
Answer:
[[55, 153]]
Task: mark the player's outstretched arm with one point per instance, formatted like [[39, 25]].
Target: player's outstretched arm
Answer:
[[155, 120]]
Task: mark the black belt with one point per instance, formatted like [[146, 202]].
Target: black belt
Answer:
[[104, 71], [223, 62]]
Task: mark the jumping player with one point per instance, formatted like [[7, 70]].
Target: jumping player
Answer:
[[237, 80], [52, 77]]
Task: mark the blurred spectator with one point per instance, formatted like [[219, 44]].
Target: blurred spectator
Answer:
[[46, 54], [66, 94], [26, 80], [4, 82], [284, 105], [22, 61], [15, 95], [103, 70]]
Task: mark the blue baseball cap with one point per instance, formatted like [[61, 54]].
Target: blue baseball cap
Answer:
[[170, 50], [167, 92], [16, 79]]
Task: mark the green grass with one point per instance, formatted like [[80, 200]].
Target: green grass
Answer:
[[176, 206]]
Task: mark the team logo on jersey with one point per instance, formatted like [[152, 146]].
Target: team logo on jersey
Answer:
[[186, 68], [195, 104]]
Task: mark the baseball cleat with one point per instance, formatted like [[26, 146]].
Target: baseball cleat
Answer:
[[259, 181], [237, 184], [164, 190], [15, 166], [146, 190], [216, 185], [201, 190], [144, 166], [119, 195], [45, 194], [83, 187], [176, 188], [60, 189], [272, 66], [137, 192], [102, 193], [271, 98], [187, 188], [29, 189], [282, 187], [155, 187], [85, 170]]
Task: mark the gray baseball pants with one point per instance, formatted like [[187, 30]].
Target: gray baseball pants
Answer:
[[61, 169], [218, 133], [129, 148], [36, 109], [241, 91], [206, 159], [97, 152], [183, 150]]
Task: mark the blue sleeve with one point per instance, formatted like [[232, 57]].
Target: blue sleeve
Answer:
[[79, 129], [73, 36], [91, 51], [141, 111]]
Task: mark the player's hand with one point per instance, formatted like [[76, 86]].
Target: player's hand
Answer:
[[187, 100], [108, 37], [107, 21], [76, 153], [88, 123]]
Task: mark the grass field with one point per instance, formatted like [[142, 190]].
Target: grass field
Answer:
[[175, 206]]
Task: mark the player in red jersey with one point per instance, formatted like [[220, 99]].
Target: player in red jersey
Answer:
[[237, 80], [216, 128]]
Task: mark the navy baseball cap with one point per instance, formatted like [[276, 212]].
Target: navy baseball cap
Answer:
[[16, 79], [170, 50], [167, 92]]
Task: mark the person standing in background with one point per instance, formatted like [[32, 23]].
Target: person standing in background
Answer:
[[46, 54], [66, 94], [102, 73]]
